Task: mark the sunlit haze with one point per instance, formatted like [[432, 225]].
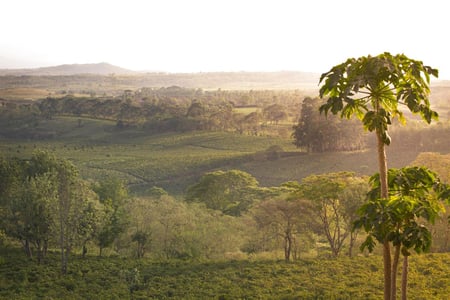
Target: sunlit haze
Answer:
[[231, 35]]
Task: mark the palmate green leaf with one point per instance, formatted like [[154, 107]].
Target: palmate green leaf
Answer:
[[333, 79], [434, 72], [417, 237], [428, 115], [443, 191], [353, 107], [333, 104]]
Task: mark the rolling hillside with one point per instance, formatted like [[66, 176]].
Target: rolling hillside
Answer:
[[174, 161]]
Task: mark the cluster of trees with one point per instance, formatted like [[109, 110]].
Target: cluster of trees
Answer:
[[168, 109], [46, 205], [314, 133]]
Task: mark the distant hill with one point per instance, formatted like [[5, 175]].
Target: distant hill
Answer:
[[69, 69], [107, 79]]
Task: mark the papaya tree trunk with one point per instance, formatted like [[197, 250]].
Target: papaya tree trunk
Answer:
[[394, 272], [405, 278], [387, 270], [382, 165]]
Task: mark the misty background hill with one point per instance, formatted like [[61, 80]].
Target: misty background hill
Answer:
[[69, 69], [104, 77]]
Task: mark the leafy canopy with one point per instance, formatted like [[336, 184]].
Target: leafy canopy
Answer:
[[372, 87], [413, 198]]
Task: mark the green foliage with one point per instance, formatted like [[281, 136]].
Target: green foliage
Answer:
[[116, 278], [230, 192], [157, 192], [112, 190], [282, 222], [334, 199], [46, 204], [412, 198], [113, 195], [372, 87], [168, 228], [401, 218]]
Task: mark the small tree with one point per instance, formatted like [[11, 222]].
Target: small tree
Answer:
[[283, 218], [46, 201], [141, 238], [140, 224], [399, 219], [27, 216], [112, 194], [332, 205]]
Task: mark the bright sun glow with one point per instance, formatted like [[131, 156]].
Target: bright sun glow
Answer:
[[231, 35]]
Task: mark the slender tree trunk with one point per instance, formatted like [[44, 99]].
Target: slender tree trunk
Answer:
[[351, 243], [382, 164], [84, 250], [61, 246], [405, 278], [294, 248], [64, 262], [287, 246], [394, 272], [39, 252], [387, 270], [45, 250], [27, 248]]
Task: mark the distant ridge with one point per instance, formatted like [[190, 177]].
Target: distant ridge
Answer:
[[70, 69], [74, 76]]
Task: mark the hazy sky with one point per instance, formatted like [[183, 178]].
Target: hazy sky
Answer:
[[221, 35]]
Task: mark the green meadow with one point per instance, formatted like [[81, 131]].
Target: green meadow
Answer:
[[126, 278]]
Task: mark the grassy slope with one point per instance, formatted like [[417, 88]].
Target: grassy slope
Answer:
[[105, 278], [175, 160]]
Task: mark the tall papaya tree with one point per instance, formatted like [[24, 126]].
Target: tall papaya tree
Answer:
[[373, 88]]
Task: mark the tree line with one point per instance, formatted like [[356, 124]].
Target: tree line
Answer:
[[168, 109], [246, 112]]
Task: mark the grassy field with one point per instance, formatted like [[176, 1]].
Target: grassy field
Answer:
[[23, 93], [173, 161], [126, 278]]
